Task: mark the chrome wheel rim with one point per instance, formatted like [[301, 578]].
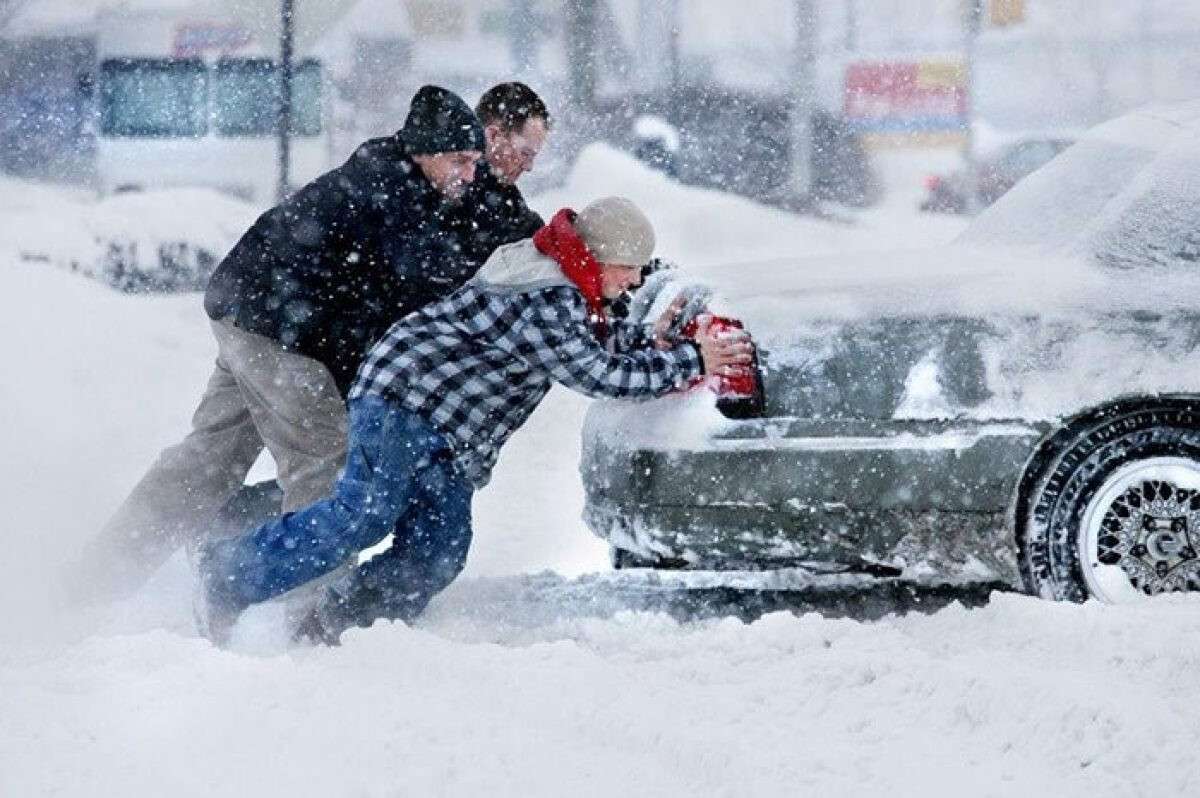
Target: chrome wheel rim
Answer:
[[1141, 531]]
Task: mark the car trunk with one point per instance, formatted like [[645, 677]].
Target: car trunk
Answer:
[[836, 471]]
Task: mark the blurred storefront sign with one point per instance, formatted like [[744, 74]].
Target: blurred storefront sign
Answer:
[[194, 40], [907, 102]]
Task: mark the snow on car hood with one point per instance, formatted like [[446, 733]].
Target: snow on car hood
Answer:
[[771, 296]]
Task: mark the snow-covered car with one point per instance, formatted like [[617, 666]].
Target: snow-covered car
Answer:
[[993, 176], [1022, 405]]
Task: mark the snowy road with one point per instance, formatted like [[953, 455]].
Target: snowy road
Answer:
[[1020, 698], [538, 673]]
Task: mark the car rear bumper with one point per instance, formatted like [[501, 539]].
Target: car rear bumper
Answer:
[[929, 496]]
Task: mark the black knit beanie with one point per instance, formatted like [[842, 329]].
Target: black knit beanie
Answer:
[[439, 121]]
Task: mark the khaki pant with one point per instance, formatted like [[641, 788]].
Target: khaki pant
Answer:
[[258, 395]]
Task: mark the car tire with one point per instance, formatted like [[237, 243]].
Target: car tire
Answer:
[[1111, 516]]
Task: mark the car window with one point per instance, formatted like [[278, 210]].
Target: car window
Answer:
[[153, 97], [1159, 225], [247, 96], [1051, 208]]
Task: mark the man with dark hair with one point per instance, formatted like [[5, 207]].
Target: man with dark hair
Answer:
[[515, 125], [295, 306]]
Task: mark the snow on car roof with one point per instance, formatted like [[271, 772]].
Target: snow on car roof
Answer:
[[1071, 202], [776, 295], [1108, 226]]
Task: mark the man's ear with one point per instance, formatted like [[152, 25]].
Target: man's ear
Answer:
[[491, 133]]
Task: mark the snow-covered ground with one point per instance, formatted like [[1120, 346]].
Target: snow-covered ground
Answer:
[[534, 674]]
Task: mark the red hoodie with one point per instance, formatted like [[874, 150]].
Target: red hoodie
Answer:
[[558, 240]]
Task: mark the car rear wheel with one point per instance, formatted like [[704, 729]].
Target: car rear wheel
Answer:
[[1116, 516]]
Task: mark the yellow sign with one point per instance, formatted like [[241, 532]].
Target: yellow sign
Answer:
[[941, 73], [1007, 12]]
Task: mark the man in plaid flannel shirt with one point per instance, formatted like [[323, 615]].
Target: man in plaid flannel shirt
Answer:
[[433, 403]]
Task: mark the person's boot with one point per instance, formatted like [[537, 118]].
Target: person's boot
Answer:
[[341, 606], [215, 617], [314, 629], [216, 605]]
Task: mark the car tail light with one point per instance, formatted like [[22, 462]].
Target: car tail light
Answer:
[[740, 393]]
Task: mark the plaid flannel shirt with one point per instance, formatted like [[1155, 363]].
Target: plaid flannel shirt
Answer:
[[478, 362]]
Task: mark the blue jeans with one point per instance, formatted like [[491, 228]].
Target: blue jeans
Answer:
[[399, 476]]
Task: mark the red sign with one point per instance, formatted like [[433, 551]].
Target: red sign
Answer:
[[902, 97]]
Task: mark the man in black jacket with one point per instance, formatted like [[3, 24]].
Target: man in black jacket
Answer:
[[294, 307]]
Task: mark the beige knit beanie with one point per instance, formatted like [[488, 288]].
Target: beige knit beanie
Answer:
[[616, 231]]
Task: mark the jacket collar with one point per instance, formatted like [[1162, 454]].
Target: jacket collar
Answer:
[[559, 241]]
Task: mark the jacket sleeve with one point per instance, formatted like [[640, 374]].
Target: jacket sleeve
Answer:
[[553, 336], [624, 336]]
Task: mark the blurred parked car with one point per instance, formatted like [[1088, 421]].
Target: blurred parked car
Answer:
[[717, 137], [656, 143], [1020, 406], [993, 176]]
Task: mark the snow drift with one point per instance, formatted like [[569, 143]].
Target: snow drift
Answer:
[[154, 241]]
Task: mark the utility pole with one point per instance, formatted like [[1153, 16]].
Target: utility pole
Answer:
[[581, 54], [284, 121], [803, 92], [674, 69], [522, 36], [972, 23], [851, 42], [656, 25]]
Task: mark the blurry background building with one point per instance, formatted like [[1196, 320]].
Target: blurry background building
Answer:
[[705, 89]]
